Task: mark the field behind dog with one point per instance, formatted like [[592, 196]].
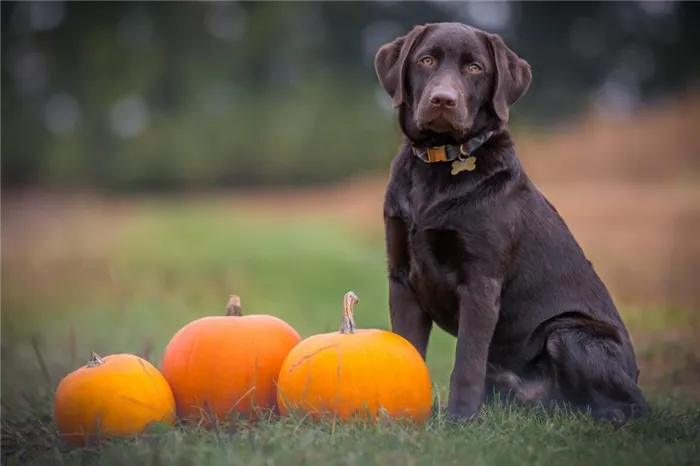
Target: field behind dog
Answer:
[[83, 273]]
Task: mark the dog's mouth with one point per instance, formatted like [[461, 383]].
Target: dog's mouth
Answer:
[[441, 121]]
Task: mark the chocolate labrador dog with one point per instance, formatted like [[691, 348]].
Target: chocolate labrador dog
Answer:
[[475, 248]]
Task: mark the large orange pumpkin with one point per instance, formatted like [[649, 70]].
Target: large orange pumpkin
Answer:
[[220, 366], [114, 396], [355, 374]]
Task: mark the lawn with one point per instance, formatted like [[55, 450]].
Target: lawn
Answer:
[[124, 276]]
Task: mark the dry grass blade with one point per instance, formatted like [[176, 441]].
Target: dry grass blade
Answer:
[[42, 362]]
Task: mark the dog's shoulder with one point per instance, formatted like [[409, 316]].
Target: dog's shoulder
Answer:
[[399, 170], [399, 186]]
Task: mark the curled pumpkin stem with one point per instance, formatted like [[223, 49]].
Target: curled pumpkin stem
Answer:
[[233, 308], [95, 360], [347, 325]]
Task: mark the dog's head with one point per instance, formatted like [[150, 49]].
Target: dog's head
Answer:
[[451, 81]]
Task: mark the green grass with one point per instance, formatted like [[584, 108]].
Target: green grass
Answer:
[[172, 263], [500, 436]]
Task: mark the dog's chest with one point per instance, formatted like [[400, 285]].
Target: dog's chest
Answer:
[[434, 275], [435, 253]]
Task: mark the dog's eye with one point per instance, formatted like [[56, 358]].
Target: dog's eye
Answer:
[[475, 68], [427, 61]]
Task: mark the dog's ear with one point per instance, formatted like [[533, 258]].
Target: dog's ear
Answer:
[[390, 63], [512, 76]]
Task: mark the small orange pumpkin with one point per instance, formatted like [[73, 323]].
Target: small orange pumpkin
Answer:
[[221, 365], [114, 396], [355, 374]]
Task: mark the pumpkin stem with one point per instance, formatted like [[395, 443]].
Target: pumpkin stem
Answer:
[[347, 325], [233, 308], [95, 360]]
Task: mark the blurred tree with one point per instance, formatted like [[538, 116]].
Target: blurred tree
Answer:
[[186, 95]]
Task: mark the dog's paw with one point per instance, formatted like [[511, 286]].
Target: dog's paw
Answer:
[[612, 415], [458, 419], [461, 414]]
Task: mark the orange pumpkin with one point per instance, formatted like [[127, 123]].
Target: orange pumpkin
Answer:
[[223, 365], [355, 374], [114, 396]]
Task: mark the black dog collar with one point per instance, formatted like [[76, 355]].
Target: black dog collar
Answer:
[[450, 153]]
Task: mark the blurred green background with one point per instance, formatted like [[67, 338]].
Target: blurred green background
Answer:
[[125, 96], [158, 156]]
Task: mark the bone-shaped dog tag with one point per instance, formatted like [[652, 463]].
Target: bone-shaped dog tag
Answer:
[[468, 164]]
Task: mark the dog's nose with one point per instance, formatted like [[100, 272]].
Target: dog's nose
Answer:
[[443, 97]]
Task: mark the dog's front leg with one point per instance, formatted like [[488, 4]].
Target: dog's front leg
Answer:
[[479, 303], [407, 316]]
